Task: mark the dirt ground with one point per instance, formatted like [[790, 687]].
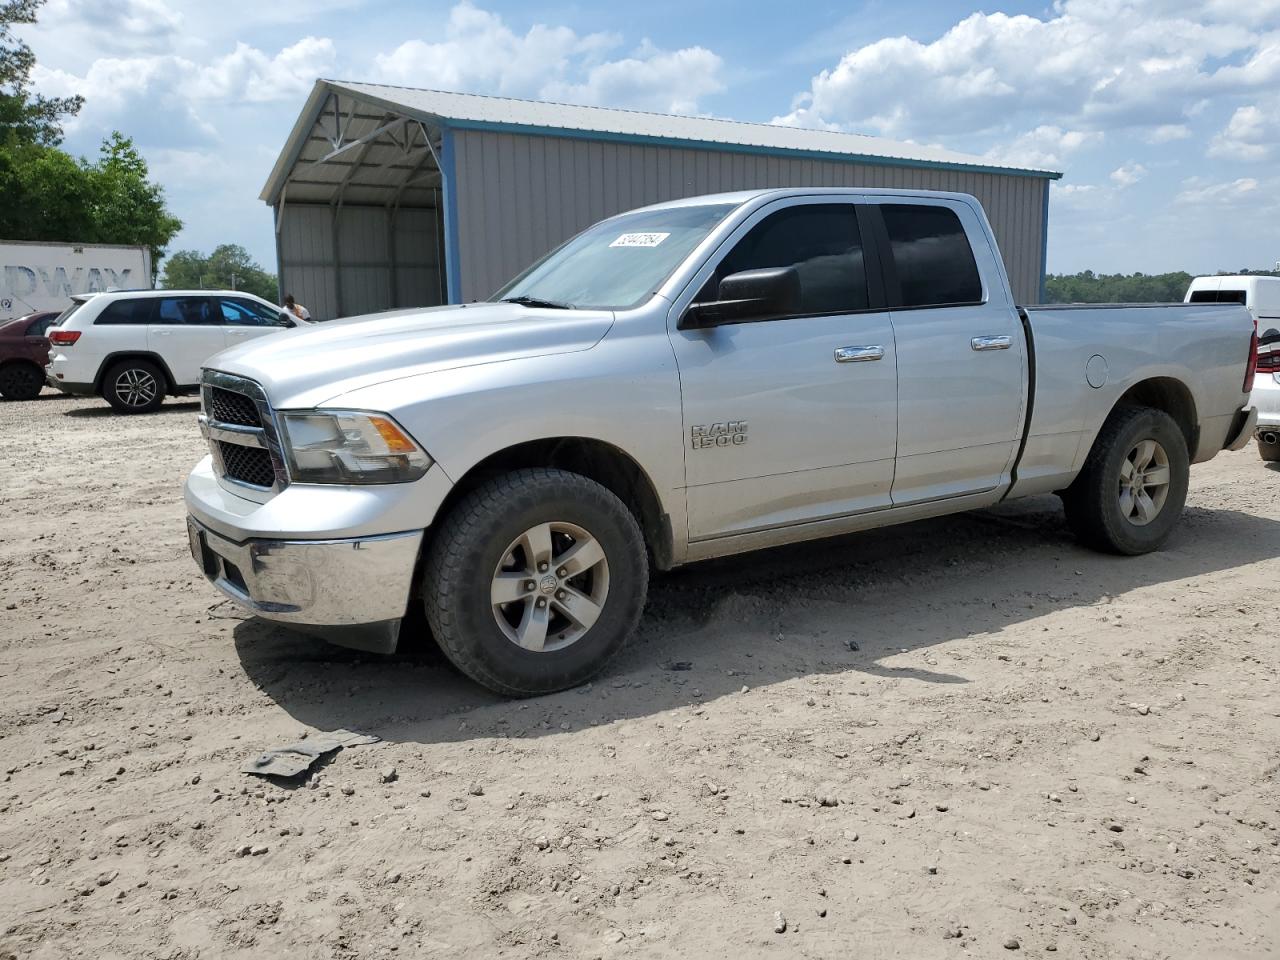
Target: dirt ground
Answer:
[[961, 737]]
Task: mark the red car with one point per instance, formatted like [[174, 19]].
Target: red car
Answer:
[[24, 350]]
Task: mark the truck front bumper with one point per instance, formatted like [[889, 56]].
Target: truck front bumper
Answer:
[[352, 592]]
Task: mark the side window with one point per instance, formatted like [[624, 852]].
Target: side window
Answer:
[[1218, 296], [237, 313], [38, 328], [266, 316], [821, 241], [125, 312], [932, 254], [185, 311]]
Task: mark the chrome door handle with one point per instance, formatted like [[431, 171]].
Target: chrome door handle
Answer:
[[164, 333], [991, 343], [858, 354]]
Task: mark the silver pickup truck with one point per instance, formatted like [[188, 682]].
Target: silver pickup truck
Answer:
[[689, 380]]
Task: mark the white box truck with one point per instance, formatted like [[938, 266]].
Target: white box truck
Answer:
[[44, 276]]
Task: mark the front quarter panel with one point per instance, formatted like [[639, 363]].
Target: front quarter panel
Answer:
[[624, 391]]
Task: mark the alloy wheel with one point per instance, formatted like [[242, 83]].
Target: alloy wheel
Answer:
[[550, 586], [1144, 482]]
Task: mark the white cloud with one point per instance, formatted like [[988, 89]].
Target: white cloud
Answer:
[[667, 82], [1251, 134], [1128, 174], [1167, 133], [112, 26], [1198, 192], [160, 98], [1094, 64], [481, 53], [1045, 147]]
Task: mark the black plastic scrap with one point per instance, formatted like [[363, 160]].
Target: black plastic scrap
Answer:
[[295, 758]]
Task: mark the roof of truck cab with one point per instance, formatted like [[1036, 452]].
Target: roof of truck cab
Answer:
[[739, 197]]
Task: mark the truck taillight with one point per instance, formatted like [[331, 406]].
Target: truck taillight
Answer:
[[1252, 366], [65, 338]]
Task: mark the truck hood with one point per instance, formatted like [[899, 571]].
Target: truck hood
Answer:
[[311, 365]]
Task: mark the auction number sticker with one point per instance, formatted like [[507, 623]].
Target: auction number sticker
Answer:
[[639, 239]]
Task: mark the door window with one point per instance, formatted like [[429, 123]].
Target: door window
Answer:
[[186, 311], [821, 241], [241, 312], [934, 261]]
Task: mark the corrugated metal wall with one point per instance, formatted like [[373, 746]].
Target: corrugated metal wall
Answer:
[[362, 277], [519, 195]]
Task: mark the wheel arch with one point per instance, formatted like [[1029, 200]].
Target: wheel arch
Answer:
[[22, 362], [595, 459], [111, 359], [1169, 395]]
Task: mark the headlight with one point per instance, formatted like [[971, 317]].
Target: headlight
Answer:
[[345, 446]]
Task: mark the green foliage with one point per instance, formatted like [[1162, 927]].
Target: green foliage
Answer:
[[1090, 287], [50, 195], [26, 117], [228, 267]]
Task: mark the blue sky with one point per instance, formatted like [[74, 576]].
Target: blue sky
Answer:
[[1164, 115]]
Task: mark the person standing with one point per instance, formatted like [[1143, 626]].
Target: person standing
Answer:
[[297, 309]]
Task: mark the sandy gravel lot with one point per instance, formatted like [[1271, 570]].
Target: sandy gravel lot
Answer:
[[1029, 747]]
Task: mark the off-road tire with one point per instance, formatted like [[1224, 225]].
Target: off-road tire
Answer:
[[1269, 452], [1092, 506], [471, 543], [114, 392], [20, 381]]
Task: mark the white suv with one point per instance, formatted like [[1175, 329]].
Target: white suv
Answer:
[[134, 347]]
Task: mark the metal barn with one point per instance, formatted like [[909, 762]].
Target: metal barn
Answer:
[[390, 197]]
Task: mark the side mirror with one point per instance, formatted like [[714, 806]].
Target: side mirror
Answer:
[[748, 295]]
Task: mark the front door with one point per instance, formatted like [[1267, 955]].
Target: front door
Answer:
[[790, 418], [962, 359], [185, 332]]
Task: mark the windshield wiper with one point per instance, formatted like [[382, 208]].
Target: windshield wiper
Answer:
[[537, 302]]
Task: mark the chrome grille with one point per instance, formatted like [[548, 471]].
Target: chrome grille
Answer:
[[240, 427], [228, 407]]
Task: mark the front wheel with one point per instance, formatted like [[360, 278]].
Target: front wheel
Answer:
[[1131, 491], [134, 386], [535, 580]]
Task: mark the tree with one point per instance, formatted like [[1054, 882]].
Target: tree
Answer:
[[229, 267], [26, 117], [50, 195]]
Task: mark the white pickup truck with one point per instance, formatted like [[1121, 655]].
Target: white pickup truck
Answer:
[[689, 380]]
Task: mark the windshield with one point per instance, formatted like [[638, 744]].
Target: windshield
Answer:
[[618, 263]]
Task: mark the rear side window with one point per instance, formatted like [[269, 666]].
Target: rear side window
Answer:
[[1218, 296], [38, 327], [187, 311], [125, 311], [821, 241], [932, 254]]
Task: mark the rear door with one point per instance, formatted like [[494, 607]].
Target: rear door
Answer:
[[790, 418], [961, 351], [244, 319], [186, 331]]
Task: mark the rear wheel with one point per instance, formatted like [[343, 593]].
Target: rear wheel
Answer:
[[134, 386], [1269, 452], [535, 580], [1131, 491], [20, 381]]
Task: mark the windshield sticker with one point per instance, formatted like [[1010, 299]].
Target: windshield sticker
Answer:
[[639, 239]]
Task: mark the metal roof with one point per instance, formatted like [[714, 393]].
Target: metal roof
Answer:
[[438, 109]]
